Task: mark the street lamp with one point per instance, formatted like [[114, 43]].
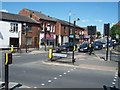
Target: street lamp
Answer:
[[73, 59], [69, 25]]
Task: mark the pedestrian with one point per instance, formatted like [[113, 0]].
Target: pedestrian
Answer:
[[90, 48]]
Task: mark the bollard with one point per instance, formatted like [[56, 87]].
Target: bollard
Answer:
[[50, 54], [12, 49], [74, 48]]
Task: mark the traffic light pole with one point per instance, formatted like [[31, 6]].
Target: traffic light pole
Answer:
[[45, 37], [73, 59], [107, 42], [6, 77]]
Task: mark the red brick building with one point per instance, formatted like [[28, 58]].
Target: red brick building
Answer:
[[57, 31]]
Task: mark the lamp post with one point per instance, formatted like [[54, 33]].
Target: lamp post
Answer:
[[26, 27], [69, 26], [73, 59]]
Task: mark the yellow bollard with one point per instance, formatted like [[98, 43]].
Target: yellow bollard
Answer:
[[106, 49], [74, 48], [50, 54], [6, 59], [12, 49]]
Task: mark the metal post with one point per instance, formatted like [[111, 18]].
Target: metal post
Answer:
[[107, 43], [26, 38], [45, 36], [73, 60], [6, 77], [69, 27]]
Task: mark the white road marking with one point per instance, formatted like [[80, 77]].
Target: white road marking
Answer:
[[16, 56], [74, 68], [55, 77], [64, 73], [111, 86], [114, 80], [42, 84], [35, 87], [115, 77], [60, 75], [71, 69], [68, 71], [113, 83], [49, 81]]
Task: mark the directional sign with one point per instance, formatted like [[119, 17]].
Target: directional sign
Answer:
[[59, 55]]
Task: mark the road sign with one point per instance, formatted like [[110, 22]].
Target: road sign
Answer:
[[59, 55]]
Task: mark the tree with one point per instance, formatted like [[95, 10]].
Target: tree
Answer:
[[98, 34], [115, 30]]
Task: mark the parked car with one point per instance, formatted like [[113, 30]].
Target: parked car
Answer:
[[83, 47], [68, 46], [97, 45]]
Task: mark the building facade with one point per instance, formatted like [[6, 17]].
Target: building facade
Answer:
[[11, 30], [54, 31]]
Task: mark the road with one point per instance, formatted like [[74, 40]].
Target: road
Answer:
[[29, 69]]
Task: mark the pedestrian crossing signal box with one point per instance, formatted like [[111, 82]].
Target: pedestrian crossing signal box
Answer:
[[8, 58]]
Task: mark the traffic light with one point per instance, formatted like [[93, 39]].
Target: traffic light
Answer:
[[106, 29], [91, 30], [23, 28]]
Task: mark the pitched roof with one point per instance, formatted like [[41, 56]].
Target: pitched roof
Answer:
[[16, 18], [42, 16]]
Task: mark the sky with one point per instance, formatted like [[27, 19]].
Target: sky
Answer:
[[89, 13]]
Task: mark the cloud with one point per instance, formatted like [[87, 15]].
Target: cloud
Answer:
[[86, 20], [3, 10], [99, 20]]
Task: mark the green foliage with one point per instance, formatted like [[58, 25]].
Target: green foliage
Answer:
[[115, 30], [98, 34]]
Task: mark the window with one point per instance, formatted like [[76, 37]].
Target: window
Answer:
[[64, 30], [13, 27], [29, 41], [29, 29]]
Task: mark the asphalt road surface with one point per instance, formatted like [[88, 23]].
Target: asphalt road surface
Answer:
[[29, 69]]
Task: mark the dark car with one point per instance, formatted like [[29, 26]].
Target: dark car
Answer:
[[83, 47], [68, 46], [97, 45]]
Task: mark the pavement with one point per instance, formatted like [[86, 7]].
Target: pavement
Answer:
[[13, 85], [86, 61]]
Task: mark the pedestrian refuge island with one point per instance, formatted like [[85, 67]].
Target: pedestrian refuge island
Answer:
[[52, 54]]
